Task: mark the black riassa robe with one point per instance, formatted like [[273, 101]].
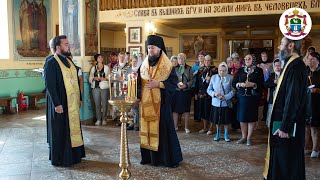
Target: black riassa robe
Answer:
[[169, 151], [61, 152], [287, 154]]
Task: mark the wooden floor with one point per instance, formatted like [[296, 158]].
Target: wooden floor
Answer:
[[24, 154]]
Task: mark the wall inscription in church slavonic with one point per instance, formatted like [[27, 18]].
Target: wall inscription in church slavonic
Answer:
[[211, 10]]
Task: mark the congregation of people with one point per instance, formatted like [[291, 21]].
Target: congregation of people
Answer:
[[236, 94], [229, 96]]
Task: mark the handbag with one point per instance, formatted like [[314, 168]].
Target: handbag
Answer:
[[103, 85], [229, 104]]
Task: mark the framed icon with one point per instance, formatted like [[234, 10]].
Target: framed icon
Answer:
[[134, 50], [135, 35]]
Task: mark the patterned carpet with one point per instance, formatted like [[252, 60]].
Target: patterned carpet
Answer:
[[24, 154]]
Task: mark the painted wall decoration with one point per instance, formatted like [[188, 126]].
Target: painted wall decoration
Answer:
[[70, 28], [32, 26], [192, 44], [91, 36]]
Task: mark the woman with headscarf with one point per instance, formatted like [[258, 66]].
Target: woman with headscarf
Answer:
[[202, 83], [229, 64], [135, 109], [182, 98], [248, 82], [174, 61], [98, 78], [313, 122], [221, 92]]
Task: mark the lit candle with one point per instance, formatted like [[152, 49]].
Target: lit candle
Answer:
[[131, 83], [110, 86], [134, 87], [129, 86], [115, 89]]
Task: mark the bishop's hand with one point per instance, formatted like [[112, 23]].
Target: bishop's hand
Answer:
[[152, 83]]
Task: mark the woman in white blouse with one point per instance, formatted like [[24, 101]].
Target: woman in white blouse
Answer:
[[100, 88]]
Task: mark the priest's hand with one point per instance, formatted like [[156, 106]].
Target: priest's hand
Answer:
[[281, 134], [152, 83], [59, 109]]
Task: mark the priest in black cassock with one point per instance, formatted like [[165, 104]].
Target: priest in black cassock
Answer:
[[157, 82], [285, 153], [63, 96]]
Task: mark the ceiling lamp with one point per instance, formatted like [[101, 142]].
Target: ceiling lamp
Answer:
[[150, 28]]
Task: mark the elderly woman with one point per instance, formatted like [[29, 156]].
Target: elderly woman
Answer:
[[221, 92], [98, 79], [248, 82], [203, 80], [236, 63], [230, 64], [174, 61], [182, 98], [313, 123]]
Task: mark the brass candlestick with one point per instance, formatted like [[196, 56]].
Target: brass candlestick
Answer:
[[123, 101], [124, 107]]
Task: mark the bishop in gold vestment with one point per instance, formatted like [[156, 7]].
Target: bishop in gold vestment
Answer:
[[157, 82]]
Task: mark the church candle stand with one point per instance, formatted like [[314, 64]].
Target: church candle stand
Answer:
[[123, 97]]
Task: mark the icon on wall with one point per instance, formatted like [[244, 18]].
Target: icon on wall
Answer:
[[135, 35], [134, 50]]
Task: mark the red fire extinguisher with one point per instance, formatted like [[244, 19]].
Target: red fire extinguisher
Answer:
[[22, 102]]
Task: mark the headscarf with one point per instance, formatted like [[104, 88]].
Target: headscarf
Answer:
[[223, 79], [235, 54]]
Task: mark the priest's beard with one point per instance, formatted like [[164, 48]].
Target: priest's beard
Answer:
[[154, 57], [66, 53], [283, 54]]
